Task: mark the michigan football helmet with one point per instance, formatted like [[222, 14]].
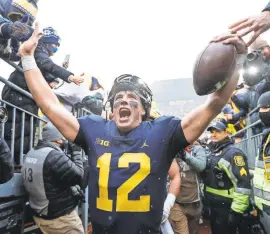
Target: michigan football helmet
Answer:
[[135, 84]]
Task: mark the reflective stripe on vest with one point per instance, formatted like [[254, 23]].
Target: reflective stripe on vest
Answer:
[[261, 187], [266, 160], [241, 195], [243, 191], [262, 194], [220, 192], [227, 167]]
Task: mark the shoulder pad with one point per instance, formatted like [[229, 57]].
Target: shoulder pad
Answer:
[[92, 118], [165, 119]]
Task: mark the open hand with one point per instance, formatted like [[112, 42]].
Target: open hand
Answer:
[[28, 47], [76, 79], [258, 24]]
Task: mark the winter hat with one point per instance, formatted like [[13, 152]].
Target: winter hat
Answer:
[[50, 35], [22, 8], [50, 133], [258, 44]]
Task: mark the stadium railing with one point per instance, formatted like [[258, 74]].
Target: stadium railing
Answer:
[[250, 143], [13, 198]]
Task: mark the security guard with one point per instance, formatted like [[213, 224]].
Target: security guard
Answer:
[[261, 178], [226, 182]]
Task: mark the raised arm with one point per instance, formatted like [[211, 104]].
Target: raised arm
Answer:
[[256, 24], [43, 95], [196, 121]]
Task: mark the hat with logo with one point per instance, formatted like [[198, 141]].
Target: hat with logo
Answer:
[[50, 35], [22, 8], [217, 125]]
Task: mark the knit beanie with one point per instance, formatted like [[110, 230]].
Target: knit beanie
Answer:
[[50, 133], [51, 36], [258, 44], [23, 7]]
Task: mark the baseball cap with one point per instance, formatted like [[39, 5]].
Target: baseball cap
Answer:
[[218, 126]]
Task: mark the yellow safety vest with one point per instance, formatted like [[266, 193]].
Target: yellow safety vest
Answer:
[[261, 180]]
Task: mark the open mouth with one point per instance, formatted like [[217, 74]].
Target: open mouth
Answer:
[[124, 113]]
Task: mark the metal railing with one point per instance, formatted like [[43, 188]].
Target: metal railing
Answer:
[[250, 144], [14, 187]]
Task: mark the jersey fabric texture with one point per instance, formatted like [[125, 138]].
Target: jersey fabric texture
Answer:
[[128, 173]]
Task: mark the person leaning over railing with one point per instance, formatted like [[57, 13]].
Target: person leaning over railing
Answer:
[[16, 18], [47, 47], [261, 180]]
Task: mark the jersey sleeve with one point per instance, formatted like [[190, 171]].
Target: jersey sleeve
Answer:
[[88, 127], [174, 132], [80, 140]]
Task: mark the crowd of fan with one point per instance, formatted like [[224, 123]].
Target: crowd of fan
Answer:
[[242, 108], [63, 174]]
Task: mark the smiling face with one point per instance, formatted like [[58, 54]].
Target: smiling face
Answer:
[[127, 111]]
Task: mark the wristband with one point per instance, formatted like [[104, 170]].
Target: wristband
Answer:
[[170, 199], [28, 63], [240, 59]]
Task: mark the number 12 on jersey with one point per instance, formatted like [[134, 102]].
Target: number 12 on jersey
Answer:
[[123, 204]]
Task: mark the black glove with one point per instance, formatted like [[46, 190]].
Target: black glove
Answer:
[[19, 30], [234, 218], [72, 148]]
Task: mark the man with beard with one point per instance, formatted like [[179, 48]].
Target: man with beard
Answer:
[[129, 157]]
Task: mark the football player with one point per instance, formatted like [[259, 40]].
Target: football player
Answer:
[[129, 158]]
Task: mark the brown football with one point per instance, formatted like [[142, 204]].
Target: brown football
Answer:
[[213, 67]]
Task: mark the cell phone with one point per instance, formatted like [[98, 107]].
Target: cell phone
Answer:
[[67, 58]]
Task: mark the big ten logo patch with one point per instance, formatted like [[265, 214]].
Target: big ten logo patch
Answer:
[[102, 142]]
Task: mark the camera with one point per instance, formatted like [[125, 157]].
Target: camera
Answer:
[[255, 68], [3, 114]]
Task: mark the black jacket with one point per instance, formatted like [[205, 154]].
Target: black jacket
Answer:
[[49, 70], [6, 166], [225, 156], [61, 178]]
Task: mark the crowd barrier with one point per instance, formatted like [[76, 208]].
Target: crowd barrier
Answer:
[[250, 143], [13, 199]]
